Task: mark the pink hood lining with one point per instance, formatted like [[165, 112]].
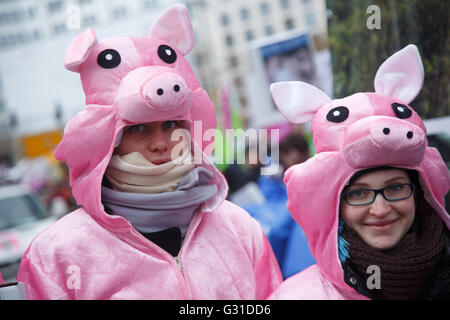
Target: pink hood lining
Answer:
[[117, 223], [88, 158]]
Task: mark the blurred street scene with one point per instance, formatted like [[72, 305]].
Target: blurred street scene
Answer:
[[241, 48]]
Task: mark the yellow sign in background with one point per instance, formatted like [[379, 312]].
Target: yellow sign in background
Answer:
[[42, 144]]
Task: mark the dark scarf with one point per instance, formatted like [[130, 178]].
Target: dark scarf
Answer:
[[406, 268]]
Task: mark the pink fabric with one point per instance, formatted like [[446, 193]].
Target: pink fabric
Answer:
[[225, 256], [343, 148], [89, 254], [1, 279]]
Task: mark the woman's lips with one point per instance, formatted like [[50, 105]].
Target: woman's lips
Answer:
[[381, 224], [160, 161]]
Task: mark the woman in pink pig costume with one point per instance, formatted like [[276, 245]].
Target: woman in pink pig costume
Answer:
[[391, 242], [181, 239]]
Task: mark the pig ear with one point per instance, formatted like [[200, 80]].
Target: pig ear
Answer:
[[298, 101], [401, 75], [79, 49], [174, 26]]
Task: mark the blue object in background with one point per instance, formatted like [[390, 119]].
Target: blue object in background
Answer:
[[297, 255], [284, 234], [276, 224]]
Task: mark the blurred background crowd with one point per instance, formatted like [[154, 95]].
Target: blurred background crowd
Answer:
[[241, 47]]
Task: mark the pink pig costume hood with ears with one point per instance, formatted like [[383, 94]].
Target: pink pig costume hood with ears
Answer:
[[127, 81], [89, 254], [361, 131]]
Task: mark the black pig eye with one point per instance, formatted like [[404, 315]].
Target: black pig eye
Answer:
[[108, 59], [338, 114], [401, 111], [167, 54]]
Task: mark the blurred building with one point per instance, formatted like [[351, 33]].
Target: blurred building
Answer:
[[37, 94], [224, 29], [29, 20]]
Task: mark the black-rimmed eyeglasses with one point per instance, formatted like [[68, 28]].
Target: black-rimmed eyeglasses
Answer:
[[393, 192]]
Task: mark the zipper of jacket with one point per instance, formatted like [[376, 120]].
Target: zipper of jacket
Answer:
[[186, 291], [186, 237], [177, 261], [194, 223]]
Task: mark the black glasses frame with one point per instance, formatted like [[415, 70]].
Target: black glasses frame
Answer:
[[376, 192]]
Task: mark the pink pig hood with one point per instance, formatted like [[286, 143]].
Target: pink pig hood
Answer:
[[361, 131], [128, 81]]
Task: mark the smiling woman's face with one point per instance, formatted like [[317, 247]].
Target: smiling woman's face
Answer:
[[381, 224], [153, 140]]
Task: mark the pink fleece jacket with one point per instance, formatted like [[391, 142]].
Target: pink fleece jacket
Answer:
[[89, 254], [361, 131]]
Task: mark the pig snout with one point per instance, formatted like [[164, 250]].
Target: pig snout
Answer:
[[377, 140], [152, 94], [397, 136], [166, 91]]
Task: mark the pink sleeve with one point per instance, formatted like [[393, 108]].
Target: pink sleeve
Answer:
[[267, 272], [39, 284]]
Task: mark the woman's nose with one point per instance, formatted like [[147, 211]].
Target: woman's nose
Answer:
[[158, 142], [380, 207]]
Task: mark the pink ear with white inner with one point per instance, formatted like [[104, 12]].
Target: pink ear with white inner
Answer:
[[174, 26], [298, 101], [79, 50], [401, 75]]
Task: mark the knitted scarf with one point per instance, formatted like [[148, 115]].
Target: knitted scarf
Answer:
[[406, 267]]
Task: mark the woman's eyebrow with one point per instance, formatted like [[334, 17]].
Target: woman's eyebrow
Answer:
[[397, 178], [394, 179], [360, 184]]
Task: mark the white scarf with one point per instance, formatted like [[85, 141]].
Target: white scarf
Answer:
[[134, 173]]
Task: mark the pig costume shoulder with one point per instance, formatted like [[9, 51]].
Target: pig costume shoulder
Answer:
[[89, 254], [364, 130]]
